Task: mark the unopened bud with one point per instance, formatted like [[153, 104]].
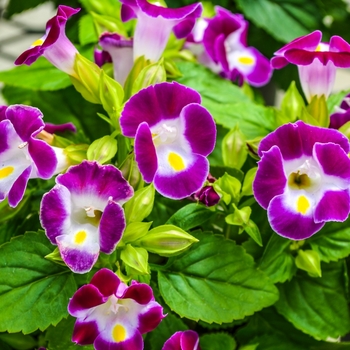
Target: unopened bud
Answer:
[[136, 258], [309, 261], [103, 149]]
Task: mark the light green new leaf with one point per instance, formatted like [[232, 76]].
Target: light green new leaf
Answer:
[[273, 18], [217, 341], [41, 75], [215, 281], [87, 30], [333, 242], [34, 291], [317, 306]]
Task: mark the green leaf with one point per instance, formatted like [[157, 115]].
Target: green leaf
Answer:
[[215, 281], [18, 341], [59, 337], [169, 325], [333, 242], [317, 306], [15, 6], [277, 261], [41, 75], [190, 216], [33, 291], [217, 341], [335, 100], [273, 18], [87, 31], [228, 104]]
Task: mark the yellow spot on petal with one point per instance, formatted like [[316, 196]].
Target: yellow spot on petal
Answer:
[[118, 333], [246, 60], [5, 172], [302, 205], [318, 48], [176, 162], [80, 237], [38, 42]]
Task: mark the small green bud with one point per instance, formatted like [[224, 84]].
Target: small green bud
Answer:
[[136, 258], [247, 188], [240, 217], [253, 146], [152, 74], [292, 103], [103, 149], [76, 153], [319, 110], [110, 23], [166, 240], [131, 172], [228, 187], [140, 205], [309, 261], [234, 148], [87, 80], [307, 118], [55, 257], [171, 69], [135, 231]]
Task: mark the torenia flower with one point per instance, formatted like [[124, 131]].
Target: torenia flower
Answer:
[[54, 45], [111, 315], [155, 23], [173, 135], [341, 115], [82, 214], [186, 340], [121, 52], [22, 155], [226, 52], [303, 179], [316, 61]]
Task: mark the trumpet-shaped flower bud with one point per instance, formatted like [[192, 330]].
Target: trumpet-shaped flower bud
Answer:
[[82, 214], [121, 52], [22, 155], [54, 45], [186, 340], [316, 61], [173, 135], [111, 315], [155, 23], [303, 179]]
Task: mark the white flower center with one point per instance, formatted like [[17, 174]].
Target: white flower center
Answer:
[[165, 133], [307, 177]]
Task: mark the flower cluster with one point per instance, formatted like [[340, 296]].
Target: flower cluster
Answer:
[[222, 42]]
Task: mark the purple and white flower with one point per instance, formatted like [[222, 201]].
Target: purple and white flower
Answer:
[[342, 114], [317, 61], [155, 23], [121, 52], [54, 45], [22, 155], [111, 315], [173, 135], [82, 214], [184, 340], [303, 179]]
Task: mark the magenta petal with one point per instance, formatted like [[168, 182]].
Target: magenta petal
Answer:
[[86, 297], [55, 209], [173, 343], [184, 28], [140, 292], [334, 206], [200, 129], [127, 13], [18, 188], [44, 158], [333, 160], [338, 119], [106, 281], [85, 333], [53, 128], [26, 120], [184, 183], [133, 343], [154, 103], [111, 227], [220, 53], [189, 340], [261, 74], [289, 224], [145, 152], [270, 179], [151, 319], [3, 113], [278, 62]]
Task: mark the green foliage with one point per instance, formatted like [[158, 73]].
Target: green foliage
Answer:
[[42, 75], [217, 341], [202, 282], [317, 306], [87, 31], [15, 6], [33, 291]]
